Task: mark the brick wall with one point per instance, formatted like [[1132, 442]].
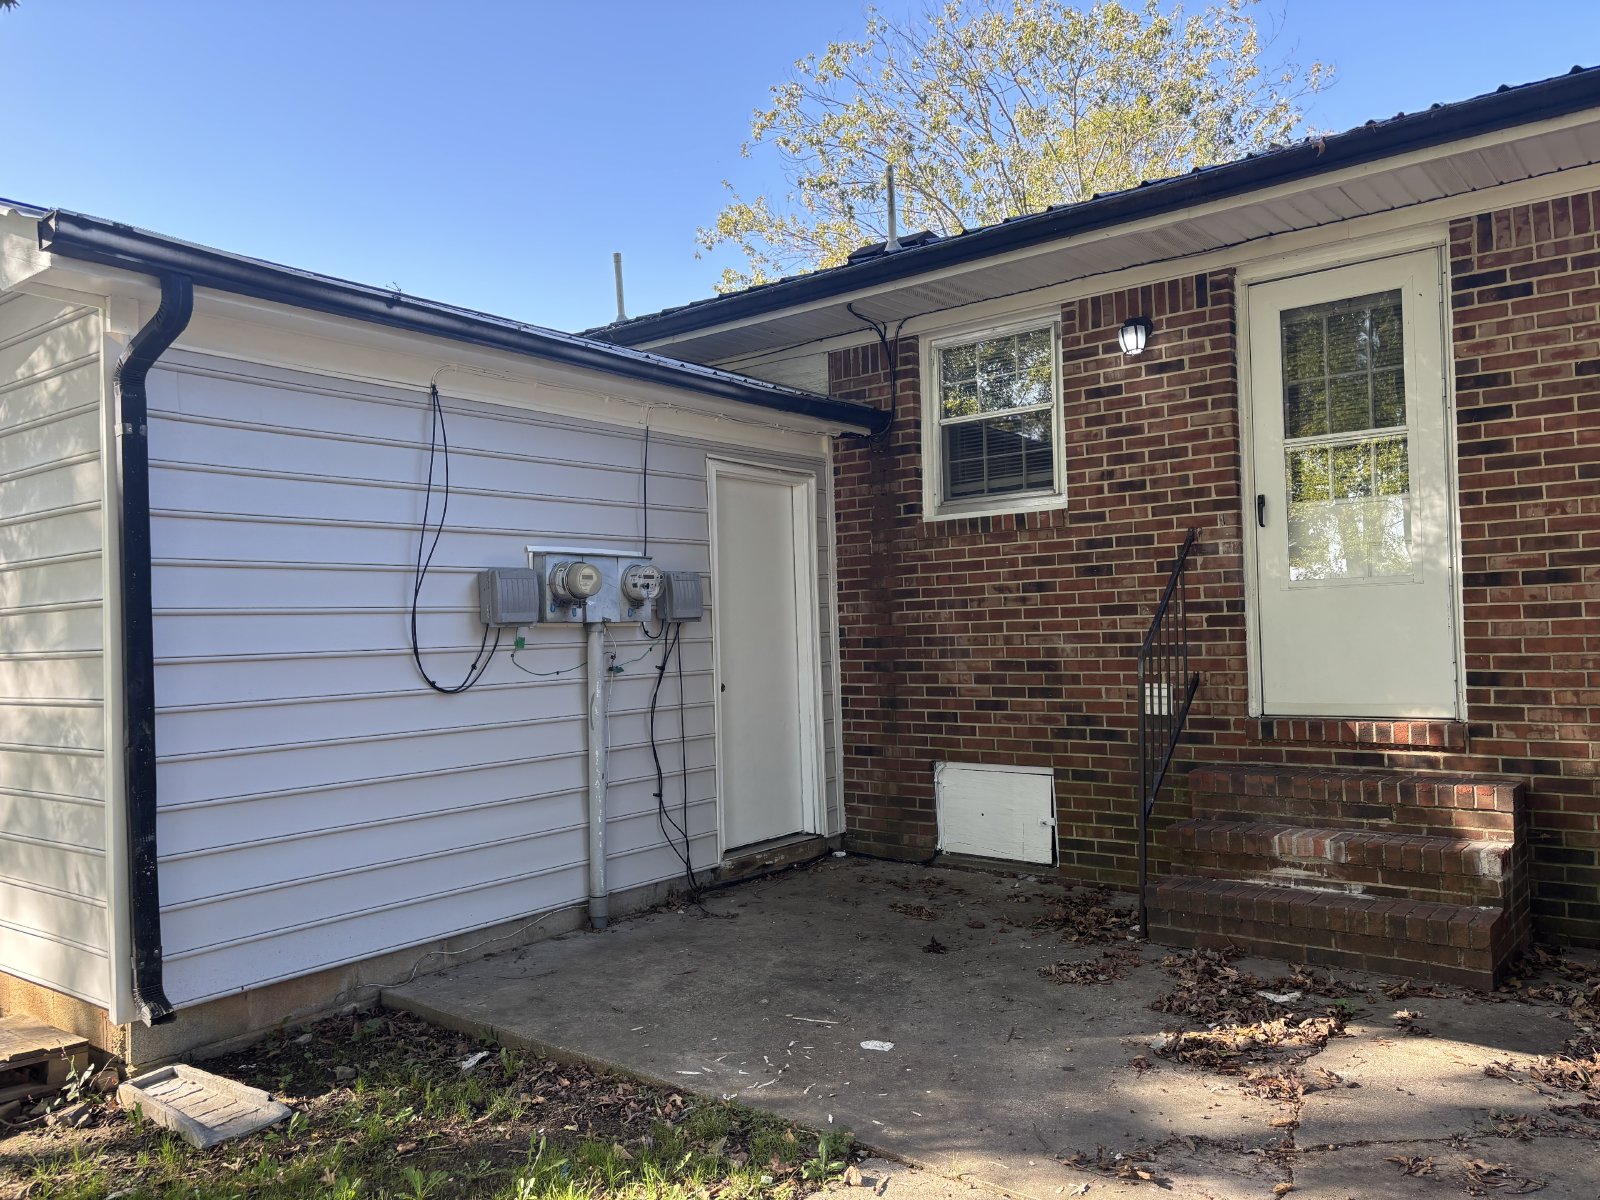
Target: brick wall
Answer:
[[1526, 328], [1011, 639]]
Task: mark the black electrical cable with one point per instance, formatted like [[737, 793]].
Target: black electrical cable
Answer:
[[664, 817], [439, 438], [891, 362], [683, 746]]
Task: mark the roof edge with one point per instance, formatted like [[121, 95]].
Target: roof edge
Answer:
[[1443, 123], [111, 244]]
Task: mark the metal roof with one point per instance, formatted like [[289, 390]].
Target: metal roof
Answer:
[[107, 243], [687, 327]]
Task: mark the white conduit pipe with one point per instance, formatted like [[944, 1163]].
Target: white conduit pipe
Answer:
[[595, 740]]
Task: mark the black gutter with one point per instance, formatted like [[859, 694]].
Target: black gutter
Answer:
[[1443, 123], [138, 641], [107, 243]]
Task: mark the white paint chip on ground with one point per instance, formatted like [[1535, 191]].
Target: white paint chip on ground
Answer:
[[1280, 997], [877, 1045], [203, 1108]]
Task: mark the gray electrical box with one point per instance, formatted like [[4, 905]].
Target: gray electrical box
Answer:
[[682, 597], [508, 596], [589, 587]]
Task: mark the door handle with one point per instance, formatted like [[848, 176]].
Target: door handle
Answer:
[[1261, 510]]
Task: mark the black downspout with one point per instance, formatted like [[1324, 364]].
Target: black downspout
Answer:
[[138, 640]]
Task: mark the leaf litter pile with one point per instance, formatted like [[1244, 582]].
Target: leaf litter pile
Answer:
[[1261, 1030], [1090, 917], [1576, 986], [386, 1105], [1575, 1070]]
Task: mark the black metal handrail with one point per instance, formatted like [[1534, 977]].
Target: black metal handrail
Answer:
[[1166, 689]]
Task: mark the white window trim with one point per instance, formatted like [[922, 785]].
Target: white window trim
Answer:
[[934, 507]]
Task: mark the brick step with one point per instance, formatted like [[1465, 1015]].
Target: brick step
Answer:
[[1480, 809], [1446, 870], [1448, 943]]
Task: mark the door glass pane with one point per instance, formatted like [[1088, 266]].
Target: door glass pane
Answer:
[[1346, 473], [1349, 510], [1350, 354]]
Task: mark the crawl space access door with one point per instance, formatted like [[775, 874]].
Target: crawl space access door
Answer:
[[996, 812]]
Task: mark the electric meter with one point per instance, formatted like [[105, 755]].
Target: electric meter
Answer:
[[574, 581], [641, 583]]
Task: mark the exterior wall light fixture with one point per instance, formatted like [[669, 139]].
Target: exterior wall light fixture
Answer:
[[1133, 335]]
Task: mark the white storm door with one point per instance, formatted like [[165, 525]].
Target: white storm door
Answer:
[[1352, 515], [762, 573]]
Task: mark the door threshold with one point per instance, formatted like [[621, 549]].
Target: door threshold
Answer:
[[775, 852]]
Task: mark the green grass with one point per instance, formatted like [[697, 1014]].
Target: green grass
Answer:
[[413, 1126]]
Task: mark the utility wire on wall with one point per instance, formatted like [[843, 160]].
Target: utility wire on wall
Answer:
[[428, 536], [671, 638], [891, 360]]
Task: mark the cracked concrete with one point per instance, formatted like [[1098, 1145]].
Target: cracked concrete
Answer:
[[997, 1075]]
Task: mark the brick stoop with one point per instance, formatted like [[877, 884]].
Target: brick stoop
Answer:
[[1401, 872]]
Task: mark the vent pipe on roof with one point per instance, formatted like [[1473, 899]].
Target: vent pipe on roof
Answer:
[[616, 269], [892, 242]]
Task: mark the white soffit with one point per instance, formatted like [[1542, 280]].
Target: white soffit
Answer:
[[1321, 201]]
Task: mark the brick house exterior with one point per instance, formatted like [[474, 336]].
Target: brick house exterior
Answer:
[[1006, 634], [933, 669]]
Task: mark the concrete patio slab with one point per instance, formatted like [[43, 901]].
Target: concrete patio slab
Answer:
[[994, 1074]]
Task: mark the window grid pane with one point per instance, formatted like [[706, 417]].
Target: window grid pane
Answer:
[[997, 405], [1343, 366]]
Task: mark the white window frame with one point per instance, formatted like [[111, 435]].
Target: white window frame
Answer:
[[934, 506]]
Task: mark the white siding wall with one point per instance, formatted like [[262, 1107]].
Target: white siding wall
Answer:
[[52, 763], [318, 804]]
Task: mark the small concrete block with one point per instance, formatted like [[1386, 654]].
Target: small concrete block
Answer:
[[36, 1059], [74, 1116], [204, 1108]]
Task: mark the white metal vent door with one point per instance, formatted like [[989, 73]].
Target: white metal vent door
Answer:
[[759, 660], [996, 812]]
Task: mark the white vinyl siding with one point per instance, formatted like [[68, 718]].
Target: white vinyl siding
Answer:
[[53, 925], [318, 804]]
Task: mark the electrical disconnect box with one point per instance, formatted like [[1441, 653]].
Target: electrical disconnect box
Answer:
[[580, 588], [682, 597], [508, 596]]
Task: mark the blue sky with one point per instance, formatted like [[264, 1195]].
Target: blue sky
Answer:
[[495, 154]]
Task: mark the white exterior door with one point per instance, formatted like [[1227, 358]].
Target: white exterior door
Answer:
[[762, 582], [1352, 511]]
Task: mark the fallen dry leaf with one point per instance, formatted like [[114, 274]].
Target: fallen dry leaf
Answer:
[[1484, 1177], [1109, 967], [1412, 1165]]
